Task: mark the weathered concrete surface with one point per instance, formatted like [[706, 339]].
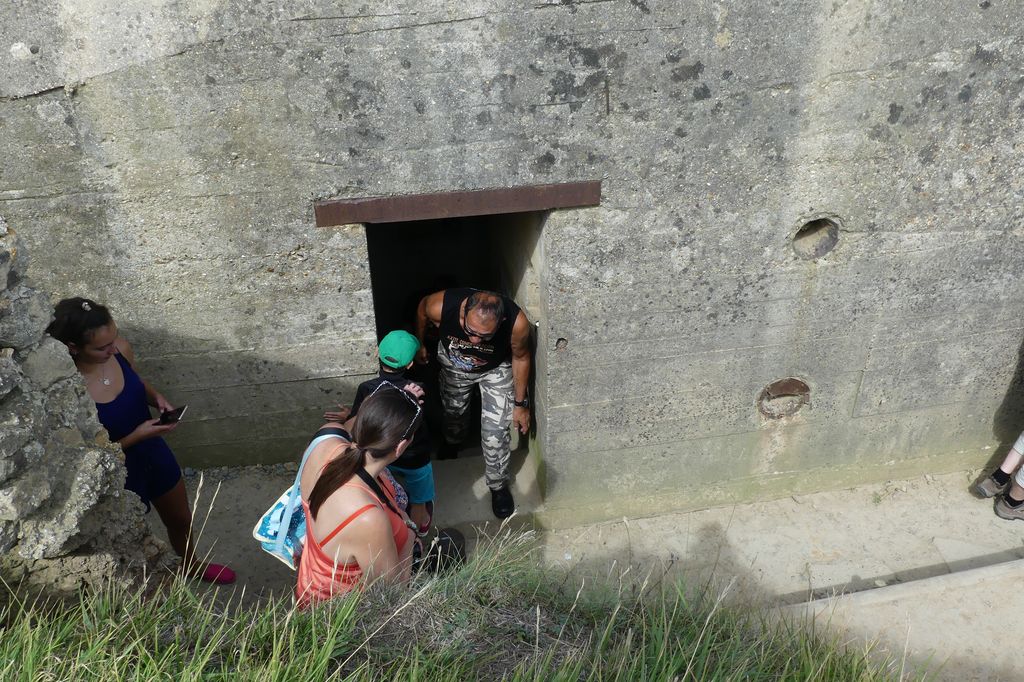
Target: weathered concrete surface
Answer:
[[953, 624], [917, 571], [162, 157]]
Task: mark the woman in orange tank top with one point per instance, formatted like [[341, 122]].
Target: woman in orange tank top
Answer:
[[352, 534]]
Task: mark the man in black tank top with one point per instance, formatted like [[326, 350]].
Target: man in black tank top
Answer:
[[485, 341]]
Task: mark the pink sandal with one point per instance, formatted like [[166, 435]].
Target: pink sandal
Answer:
[[423, 530], [217, 574]]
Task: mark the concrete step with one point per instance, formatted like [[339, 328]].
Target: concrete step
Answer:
[[465, 502], [961, 624]]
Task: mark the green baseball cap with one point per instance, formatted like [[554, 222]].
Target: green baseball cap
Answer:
[[398, 348]]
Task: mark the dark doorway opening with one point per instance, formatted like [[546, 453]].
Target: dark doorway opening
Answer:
[[488, 238], [409, 260]]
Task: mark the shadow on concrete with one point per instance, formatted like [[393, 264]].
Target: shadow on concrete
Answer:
[[466, 503], [245, 406], [703, 564], [725, 572], [1008, 421]]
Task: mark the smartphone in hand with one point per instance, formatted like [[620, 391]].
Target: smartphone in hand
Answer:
[[172, 416]]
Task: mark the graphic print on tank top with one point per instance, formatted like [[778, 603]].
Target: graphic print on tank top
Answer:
[[474, 357], [468, 363]]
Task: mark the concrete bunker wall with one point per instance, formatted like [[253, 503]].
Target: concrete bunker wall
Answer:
[[166, 158]]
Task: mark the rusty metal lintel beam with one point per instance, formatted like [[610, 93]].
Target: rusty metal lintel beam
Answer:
[[331, 212]]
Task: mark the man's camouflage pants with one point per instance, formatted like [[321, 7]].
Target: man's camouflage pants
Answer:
[[495, 413]]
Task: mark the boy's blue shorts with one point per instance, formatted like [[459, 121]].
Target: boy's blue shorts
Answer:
[[419, 482]]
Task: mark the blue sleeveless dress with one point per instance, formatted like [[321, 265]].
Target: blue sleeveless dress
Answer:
[[152, 468]]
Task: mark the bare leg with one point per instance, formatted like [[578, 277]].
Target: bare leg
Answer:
[[1016, 491], [418, 513], [173, 509], [1011, 462], [177, 517]]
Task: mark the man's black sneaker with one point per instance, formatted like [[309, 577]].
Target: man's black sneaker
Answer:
[[447, 450], [502, 503]]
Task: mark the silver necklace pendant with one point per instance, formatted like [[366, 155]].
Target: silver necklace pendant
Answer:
[[106, 381]]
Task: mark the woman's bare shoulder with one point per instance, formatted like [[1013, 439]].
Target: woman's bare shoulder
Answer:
[[124, 347], [323, 454], [366, 520], [370, 526]]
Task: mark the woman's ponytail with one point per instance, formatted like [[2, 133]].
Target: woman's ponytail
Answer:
[[383, 419], [336, 474]]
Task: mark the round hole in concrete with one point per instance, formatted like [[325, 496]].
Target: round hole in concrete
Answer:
[[34, 49], [815, 238], [783, 398], [561, 344]]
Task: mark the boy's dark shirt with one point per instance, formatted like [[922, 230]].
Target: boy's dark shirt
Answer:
[[418, 453]]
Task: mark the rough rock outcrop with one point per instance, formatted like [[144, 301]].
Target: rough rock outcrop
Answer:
[[65, 519]]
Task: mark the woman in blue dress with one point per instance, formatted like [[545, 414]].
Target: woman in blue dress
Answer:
[[106, 362]]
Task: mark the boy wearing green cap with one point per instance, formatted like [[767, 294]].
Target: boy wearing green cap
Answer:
[[397, 351]]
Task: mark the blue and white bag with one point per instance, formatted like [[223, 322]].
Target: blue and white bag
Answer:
[[267, 531], [281, 531]]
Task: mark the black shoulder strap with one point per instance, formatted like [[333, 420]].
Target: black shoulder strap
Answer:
[[333, 431], [375, 487]]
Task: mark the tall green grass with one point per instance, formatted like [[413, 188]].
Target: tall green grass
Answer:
[[502, 616]]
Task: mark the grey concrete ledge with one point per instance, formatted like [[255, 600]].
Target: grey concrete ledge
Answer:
[[915, 589]]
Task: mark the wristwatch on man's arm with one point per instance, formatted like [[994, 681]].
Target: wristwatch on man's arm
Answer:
[[525, 402]]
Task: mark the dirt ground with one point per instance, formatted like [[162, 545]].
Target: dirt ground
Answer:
[[227, 503]]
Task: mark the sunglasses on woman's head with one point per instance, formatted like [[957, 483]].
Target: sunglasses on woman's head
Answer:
[[410, 398]]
